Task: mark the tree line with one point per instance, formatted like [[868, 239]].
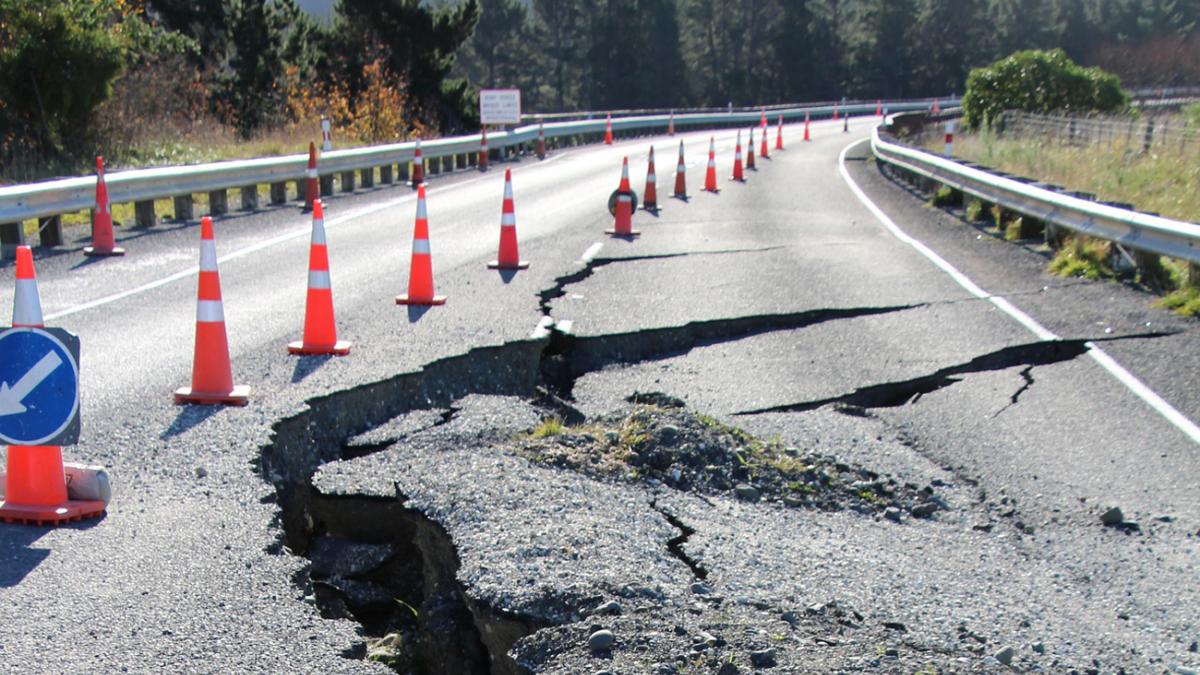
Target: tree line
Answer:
[[601, 54], [78, 76]]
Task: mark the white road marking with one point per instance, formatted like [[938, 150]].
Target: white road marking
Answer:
[[1139, 388], [589, 254]]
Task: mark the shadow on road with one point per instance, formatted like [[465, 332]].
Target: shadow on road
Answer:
[[189, 417], [415, 312], [18, 557], [307, 365]]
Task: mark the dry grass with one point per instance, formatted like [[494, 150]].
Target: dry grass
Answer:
[[1165, 180]]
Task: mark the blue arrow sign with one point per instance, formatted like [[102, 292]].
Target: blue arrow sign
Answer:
[[39, 386]]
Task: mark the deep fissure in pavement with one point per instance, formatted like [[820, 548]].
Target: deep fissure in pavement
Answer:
[[903, 392], [675, 544], [418, 578]]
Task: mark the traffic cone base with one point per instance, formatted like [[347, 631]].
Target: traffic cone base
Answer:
[[521, 265], [36, 489], [435, 300], [339, 348], [93, 251], [239, 395], [627, 235]]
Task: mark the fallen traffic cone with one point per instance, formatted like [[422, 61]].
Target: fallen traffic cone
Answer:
[[779, 134], [483, 149], [650, 196], [212, 373], [541, 144], [508, 258], [671, 124], [807, 137], [35, 486], [418, 166], [420, 274], [103, 242], [710, 176], [750, 152], [737, 160], [623, 216], [763, 151], [608, 139], [680, 177], [320, 330], [312, 189]]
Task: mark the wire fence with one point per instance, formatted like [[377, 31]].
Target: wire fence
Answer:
[[1146, 133]]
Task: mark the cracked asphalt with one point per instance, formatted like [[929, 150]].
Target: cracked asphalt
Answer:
[[780, 305]]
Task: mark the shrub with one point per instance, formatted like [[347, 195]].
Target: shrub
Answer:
[[1042, 82]]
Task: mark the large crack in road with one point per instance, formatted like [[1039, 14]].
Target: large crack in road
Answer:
[[449, 630]]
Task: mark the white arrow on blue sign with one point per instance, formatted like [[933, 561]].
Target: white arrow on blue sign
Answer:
[[39, 386]]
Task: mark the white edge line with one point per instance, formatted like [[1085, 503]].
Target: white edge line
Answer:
[[254, 248], [1131, 382]]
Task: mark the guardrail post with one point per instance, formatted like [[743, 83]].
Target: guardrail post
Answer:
[[402, 171], [218, 203], [12, 235], [348, 181], [472, 159], [300, 189], [433, 165], [143, 213], [326, 184], [278, 193], [50, 231], [385, 174], [249, 197], [367, 177], [183, 207]]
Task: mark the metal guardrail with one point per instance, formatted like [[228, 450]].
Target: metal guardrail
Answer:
[[70, 195], [1139, 231]]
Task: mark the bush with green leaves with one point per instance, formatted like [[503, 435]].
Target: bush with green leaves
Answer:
[[1041, 82]]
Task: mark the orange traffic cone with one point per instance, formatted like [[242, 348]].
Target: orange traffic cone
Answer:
[[483, 149], [608, 130], [320, 330], [103, 242], [878, 107], [680, 176], [623, 217], [737, 160], [750, 152], [212, 374], [650, 196], [671, 124], [420, 274], [418, 166], [710, 176], [508, 258], [541, 144], [312, 189], [936, 108], [762, 119], [807, 137], [779, 134], [835, 112], [35, 487], [763, 151]]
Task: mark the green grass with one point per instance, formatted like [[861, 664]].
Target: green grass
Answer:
[[1185, 301], [1083, 257], [551, 426]]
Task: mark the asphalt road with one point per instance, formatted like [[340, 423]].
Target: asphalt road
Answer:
[[772, 305]]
